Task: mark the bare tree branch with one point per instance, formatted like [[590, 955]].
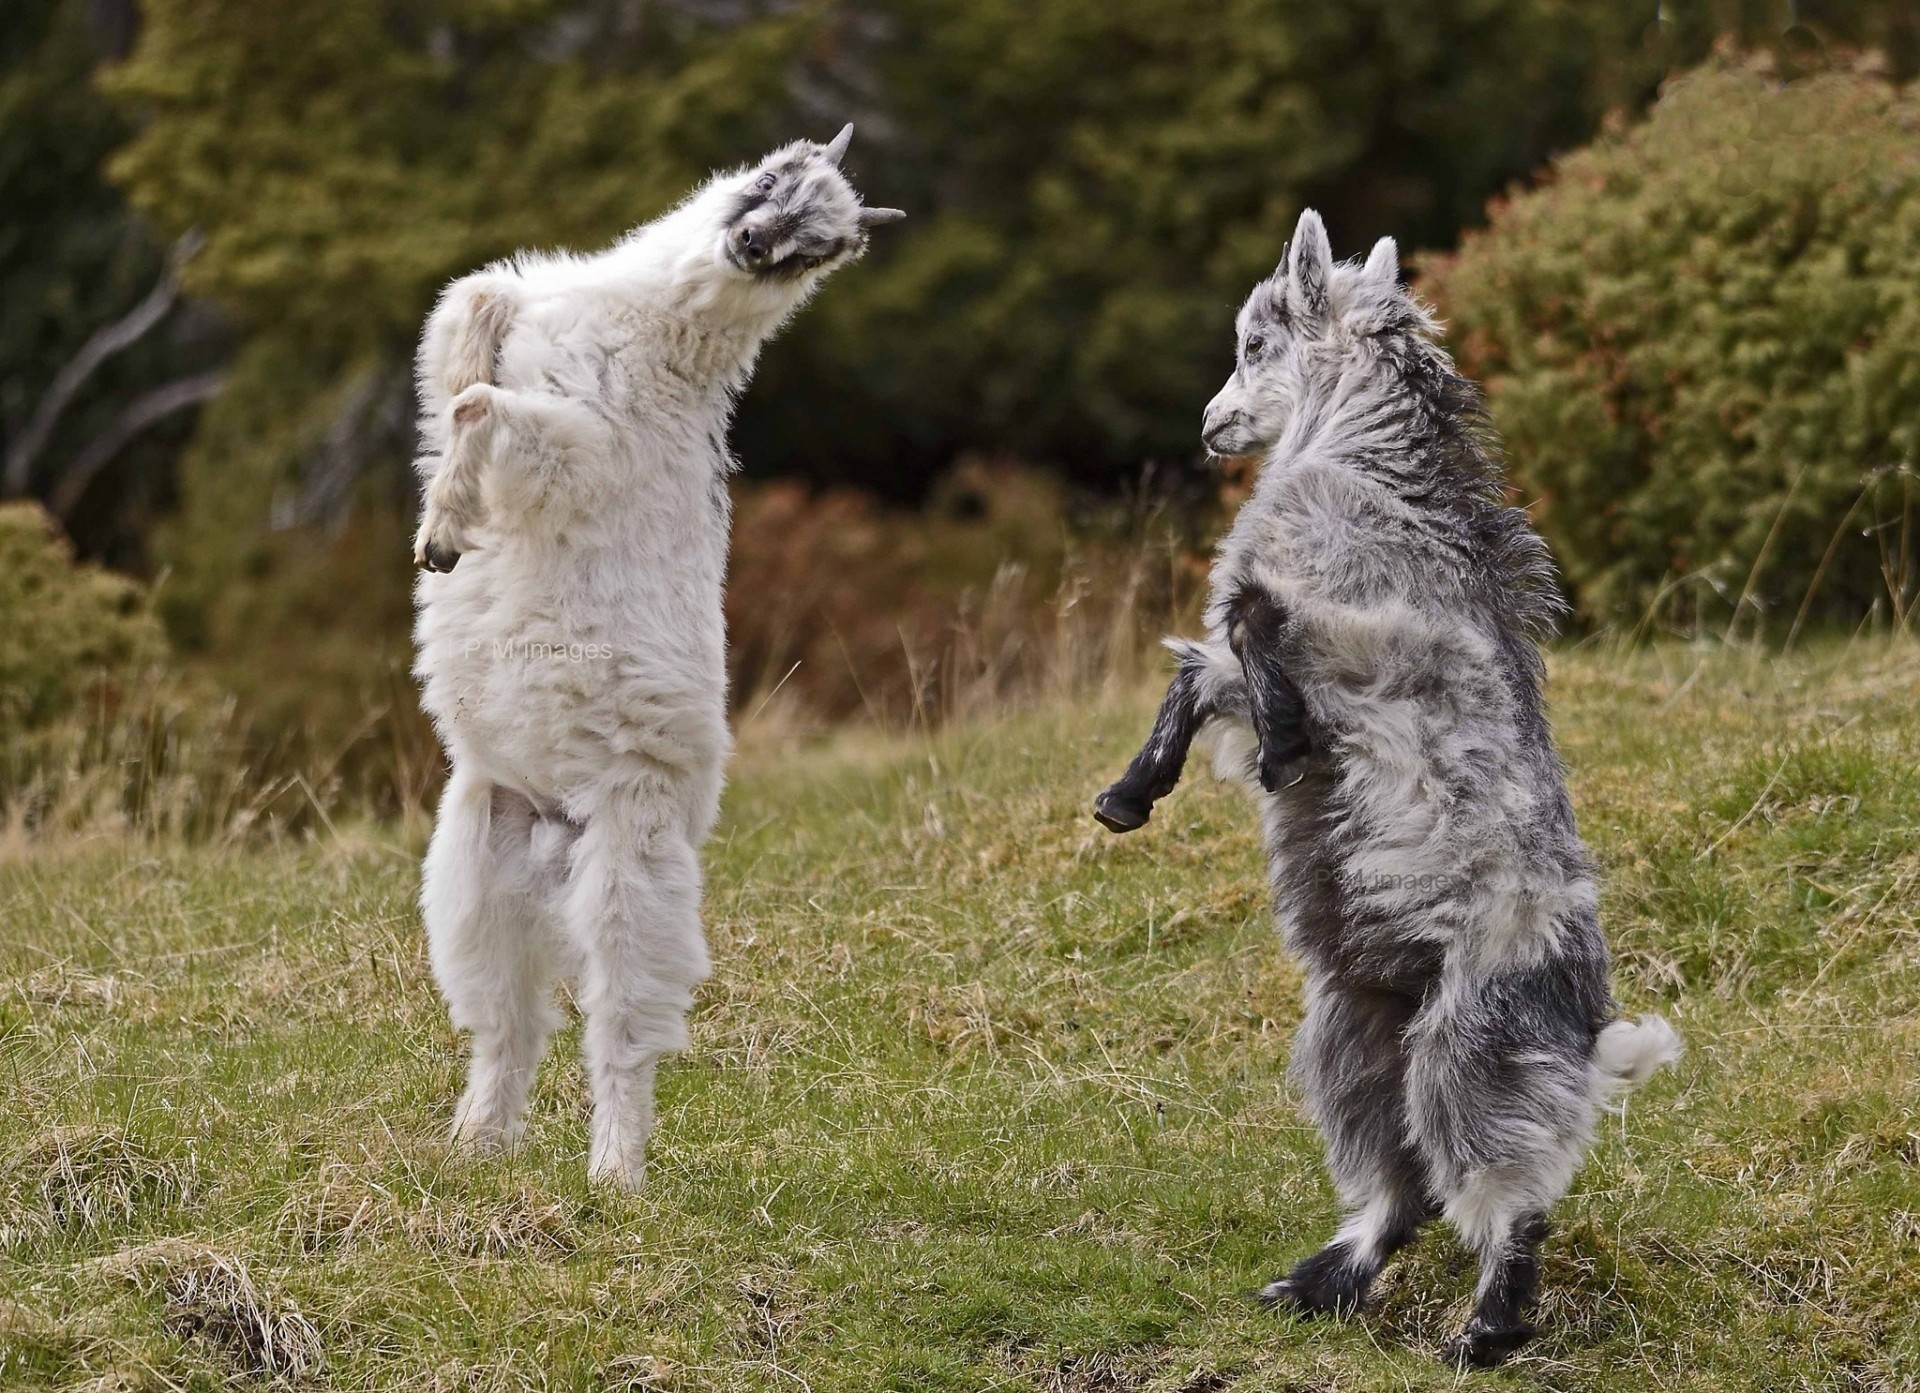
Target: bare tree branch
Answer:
[[16, 475], [374, 405], [141, 415]]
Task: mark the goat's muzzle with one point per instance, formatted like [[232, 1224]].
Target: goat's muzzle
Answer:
[[750, 247]]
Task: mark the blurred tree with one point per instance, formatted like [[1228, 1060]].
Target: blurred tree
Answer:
[[1093, 182], [1096, 183], [99, 361]]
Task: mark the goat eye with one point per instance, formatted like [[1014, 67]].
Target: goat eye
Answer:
[[765, 183], [1254, 345]]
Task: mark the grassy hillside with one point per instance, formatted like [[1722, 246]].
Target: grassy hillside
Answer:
[[981, 1097]]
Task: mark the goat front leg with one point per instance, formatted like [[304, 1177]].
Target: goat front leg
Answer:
[[524, 442], [1156, 769], [453, 505], [1256, 625]]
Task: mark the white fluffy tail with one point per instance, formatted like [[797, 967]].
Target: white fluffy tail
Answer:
[[1627, 1053]]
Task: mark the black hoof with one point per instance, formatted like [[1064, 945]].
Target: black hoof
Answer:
[[1276, 769], [1288, 1295], [438, 558], [1480, 1347], [1323, 1285], [1119, 813]]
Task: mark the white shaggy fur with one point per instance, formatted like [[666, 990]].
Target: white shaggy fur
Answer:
[[574, 412]]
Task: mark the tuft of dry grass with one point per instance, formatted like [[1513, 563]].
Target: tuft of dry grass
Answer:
[[88, 1178], [212, 1298]]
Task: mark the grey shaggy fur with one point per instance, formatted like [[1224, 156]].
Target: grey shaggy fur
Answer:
[[1371, 664]]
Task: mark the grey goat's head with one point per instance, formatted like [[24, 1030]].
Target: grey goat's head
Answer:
[[795, 213], [1303, 328]]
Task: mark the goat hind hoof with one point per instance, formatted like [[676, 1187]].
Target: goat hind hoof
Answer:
[[1482, 1347], [1286, 1295], [1308, 1299], [1118, 814]]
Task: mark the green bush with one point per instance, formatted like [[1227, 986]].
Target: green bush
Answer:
[[1701, 341], [68, 632]]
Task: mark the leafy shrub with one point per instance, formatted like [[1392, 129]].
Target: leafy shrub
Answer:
[[103, 728], [1701, 341], [67, 632]]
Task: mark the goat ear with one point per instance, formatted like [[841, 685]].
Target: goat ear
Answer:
[[873, 217], [1383, 262], [1310, 265], [837, 147]]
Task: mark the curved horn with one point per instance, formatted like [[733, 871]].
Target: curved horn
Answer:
[[873, 217], [837, 147]]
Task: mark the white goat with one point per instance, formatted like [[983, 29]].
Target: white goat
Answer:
[[574, 413]]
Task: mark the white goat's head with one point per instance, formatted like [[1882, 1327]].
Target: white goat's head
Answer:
[[795, 214], [1303, 328]]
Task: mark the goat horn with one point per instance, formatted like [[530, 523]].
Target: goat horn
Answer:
[[873, 217], [838, 145]]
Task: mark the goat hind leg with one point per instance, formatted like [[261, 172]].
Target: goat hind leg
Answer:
[[1501, 1096], [634, 908], [1349, 1062], [493, 953], [1503, 1302]]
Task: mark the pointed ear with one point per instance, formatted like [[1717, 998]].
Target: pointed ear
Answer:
[[1310, 265], [1383, 262]]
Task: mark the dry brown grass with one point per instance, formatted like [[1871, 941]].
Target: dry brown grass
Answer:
[[212, 1298]]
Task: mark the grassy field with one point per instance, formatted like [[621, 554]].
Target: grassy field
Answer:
[[980, 1097]]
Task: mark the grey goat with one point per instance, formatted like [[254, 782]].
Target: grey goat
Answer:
[[1371, 663]]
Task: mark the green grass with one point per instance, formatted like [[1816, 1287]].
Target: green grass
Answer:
[[980, 1097]]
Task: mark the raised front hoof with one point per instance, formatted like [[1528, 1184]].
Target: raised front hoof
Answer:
[[433, 556], [1484, 1347], [1118, 812]]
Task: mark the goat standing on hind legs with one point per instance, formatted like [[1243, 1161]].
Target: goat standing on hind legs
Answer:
[[1372, 666], [571, 644]]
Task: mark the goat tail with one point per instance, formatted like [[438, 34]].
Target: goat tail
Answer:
[[463, 338], [1628, 1053]]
